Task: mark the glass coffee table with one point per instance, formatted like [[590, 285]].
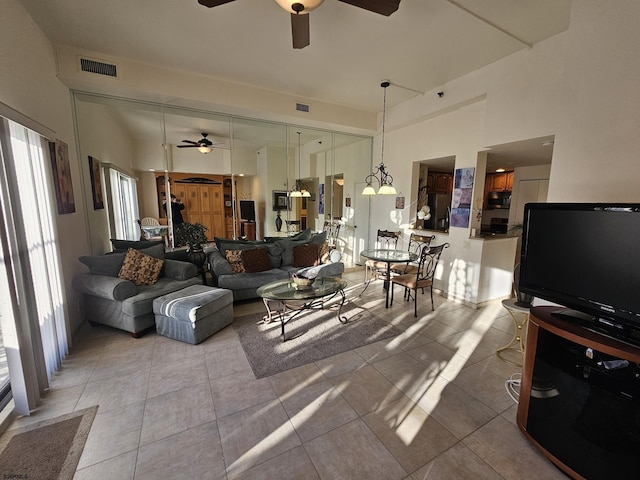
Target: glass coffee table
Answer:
[[293, 300]]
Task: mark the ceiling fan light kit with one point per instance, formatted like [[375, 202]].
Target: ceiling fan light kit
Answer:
[[204, 145], [299, 11]]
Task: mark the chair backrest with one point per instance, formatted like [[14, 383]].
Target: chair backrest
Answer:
[[293, 226], [387, 239], [417, 241], [149, 222], [429, 258]]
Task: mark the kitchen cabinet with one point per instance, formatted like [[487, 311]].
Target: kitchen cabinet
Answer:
[[501, 181], [439, 182]]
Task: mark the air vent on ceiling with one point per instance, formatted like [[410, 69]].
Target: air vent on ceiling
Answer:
[[101, 68], [301, 107]]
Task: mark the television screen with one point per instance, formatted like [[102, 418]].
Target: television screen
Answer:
[[247, 210], [584, 257]]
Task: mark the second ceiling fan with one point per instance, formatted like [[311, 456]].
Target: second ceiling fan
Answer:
[[300, 13]]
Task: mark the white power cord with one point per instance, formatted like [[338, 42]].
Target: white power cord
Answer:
[[512, 385]]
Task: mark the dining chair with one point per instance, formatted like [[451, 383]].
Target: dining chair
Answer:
[[416, 242], [423, 278], [293, 226], [372, 269]]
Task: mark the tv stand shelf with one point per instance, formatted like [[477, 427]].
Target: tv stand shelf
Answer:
[[580, 398]]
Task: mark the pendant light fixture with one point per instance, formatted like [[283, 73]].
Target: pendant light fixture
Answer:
[[381, 174], [298, 191]]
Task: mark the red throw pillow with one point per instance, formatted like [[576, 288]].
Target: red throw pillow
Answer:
[[255, 260], [306, 255]]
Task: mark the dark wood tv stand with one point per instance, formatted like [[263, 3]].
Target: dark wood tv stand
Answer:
[[579, 413]]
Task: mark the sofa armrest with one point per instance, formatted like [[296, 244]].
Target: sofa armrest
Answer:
[[103, 286], [219, 264], [179, 270]]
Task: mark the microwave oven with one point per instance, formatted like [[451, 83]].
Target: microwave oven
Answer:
[[498, 200]]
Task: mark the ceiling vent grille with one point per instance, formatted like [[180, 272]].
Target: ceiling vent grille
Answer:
[[100, 68], [301, 107]]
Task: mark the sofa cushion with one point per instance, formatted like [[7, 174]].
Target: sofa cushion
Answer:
[[225, 244], [306, 255], [122, 246], [256, 260], [318, 238], [287, 246], [234, 257], [140, 268], [104, 264]]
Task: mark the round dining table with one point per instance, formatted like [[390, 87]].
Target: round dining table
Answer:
[[388, 256]]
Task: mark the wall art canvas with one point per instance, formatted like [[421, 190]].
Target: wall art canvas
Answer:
[[59, 152], [281, 200], [96, 183], [462, 196]]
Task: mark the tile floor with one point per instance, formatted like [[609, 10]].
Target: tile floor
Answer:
[[428, 404]]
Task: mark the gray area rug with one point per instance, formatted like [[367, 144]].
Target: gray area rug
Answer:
[[46, 450], [313, 335]]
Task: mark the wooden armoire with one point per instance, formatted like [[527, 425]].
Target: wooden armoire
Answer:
[[206, 200]]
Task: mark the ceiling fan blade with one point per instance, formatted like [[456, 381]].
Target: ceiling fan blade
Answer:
[[213, 3], [188, 146], [300, 30], [383, 7], [191, 142]]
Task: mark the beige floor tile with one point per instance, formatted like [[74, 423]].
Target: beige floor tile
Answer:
[[409, 433], [114, 362], [115, 392], [485, 385], [113, 433], [225, 338], [289, 382], [121, 467], [75, 370], [175, 375], [456, 463], [433, 355], [341, 363], [255, 435], [55, 403], [238, 391], [316, 409], [501, 445], [407, 373], [167, 350], [191, 454], [225, 361], [457, 410], [174, 412], [292, 465], [380, 350], [366, 389], [353, 452]]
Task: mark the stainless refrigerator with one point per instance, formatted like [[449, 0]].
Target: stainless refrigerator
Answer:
[[440, 205]]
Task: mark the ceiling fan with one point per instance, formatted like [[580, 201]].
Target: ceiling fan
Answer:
[[300, 9], [204, 145]]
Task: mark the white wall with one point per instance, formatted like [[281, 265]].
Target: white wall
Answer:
[[29, 85]]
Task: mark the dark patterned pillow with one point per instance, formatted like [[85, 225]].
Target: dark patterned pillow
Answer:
[[234, 257], [256, 260], [323, 255], [140, 268], [306, 255]]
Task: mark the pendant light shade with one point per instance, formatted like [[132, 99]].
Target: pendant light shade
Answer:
[[381, 174]]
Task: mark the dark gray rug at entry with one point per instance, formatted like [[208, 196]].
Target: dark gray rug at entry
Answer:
[[311, 336], [46, 450]]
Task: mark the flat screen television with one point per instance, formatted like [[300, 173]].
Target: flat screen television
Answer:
[[247, 210], [585, 257]]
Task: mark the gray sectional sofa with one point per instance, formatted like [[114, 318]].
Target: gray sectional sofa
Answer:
[[119, 303], [280, 252]]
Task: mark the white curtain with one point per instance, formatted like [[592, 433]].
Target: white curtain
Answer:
[[35, 261]]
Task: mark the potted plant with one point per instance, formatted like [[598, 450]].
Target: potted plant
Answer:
[[192, 235]]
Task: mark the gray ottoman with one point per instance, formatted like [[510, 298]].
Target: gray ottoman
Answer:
[[194, 313]]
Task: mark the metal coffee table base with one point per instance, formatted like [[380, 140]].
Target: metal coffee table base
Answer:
[[291, 309]]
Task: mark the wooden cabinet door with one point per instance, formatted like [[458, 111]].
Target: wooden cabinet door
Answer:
[[510, 177], [442, 183], [217, 227], [499, 182], [431, 182]]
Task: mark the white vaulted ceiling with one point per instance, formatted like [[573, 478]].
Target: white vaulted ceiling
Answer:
[[422, 46]]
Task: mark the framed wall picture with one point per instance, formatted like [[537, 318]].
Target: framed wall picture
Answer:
[[281, 200], [59, 152], [96, 183]]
